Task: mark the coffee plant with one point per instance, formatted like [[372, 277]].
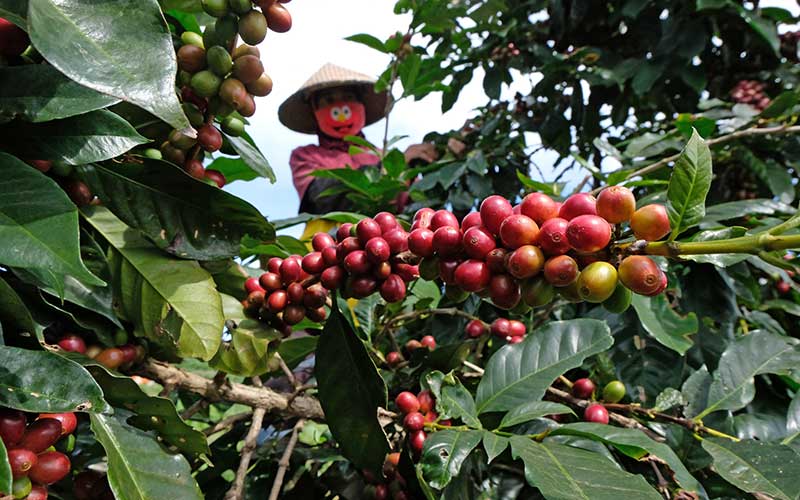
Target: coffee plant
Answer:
[[623, 327]]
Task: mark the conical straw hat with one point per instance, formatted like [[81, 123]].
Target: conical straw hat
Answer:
[[297, 114]]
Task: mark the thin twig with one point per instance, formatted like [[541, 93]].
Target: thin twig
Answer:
[[286, 370], [663, 485], [450, 311], [236, 492], [200, 404], [277, 484], [227, 422]]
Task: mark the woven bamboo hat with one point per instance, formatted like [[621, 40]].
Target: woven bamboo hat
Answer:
[[297, 114]]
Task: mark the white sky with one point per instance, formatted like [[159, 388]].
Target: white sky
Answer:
[[317, 36]]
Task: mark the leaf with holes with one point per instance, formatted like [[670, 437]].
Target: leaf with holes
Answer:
[[444, 452], [251, 344]]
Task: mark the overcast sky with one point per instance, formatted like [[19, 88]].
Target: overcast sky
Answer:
[[317, 37]]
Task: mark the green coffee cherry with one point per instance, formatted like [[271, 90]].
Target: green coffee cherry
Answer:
[[61, 169], [233, 126], [260, 87], [570, 292], [219, 60], [152, 153], [192, 38], [184, 78], [21, 487], [613, 392], [240, 6], [205, 83], [597, 282], [218, 107], [216, 8], [246, 50], [210, 37], [180, 141], [537, 292], [619, 301], [193, 113], [226, 29], [253, 27]]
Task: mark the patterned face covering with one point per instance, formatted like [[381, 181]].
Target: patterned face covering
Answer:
[[341, 118]]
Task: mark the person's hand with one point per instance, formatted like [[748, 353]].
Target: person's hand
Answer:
[[425, 152]]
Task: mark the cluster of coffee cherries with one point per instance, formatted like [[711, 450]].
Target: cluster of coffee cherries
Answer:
[[29, 441], [123, 356], [394, 358], [63, 173], [504, 52], [585, 388], [751, 92], [391, 485], [219, 80], [417, 410], [511, 330]]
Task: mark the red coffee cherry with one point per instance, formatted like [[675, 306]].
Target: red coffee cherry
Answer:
[[12, 426], [494, 211], [68, 420], [422, 219], [412, 345], [79, 193], [525, 262], [414, 421], [321, 241], [43, 166], [640, 274], [420, 242], [363, 286], [616, 204], [447, 271], [112, 358], [496, 260], [356, 262], [475, 329], [377, 250], [477, 242], [347, 246], [195, 168], [73, 343], [317, 315], [21, 461], [51, 467], [588, 233], [293, 314], [406, 402], [270, 281], [782, 287], [596, 413], [393, 289], [315, 296], [382, 270], [553, 236], [313, 263], [428, 341], [366, 229], [472, 219], [41, 434], [426, 401], [417, 440], [332, 277], [397, 239], [443, 218], [518, 230], [343, 231], [13, 39], [329, 256], [472, 275], [209, 138], [295, 293], [516, 328], [252, 284], [561, 270], [393, 358], [500, 327], [216, 177], [583, 388], [650, 223], [277, 301], [597, 282], [38, 492], [447, 241], [578, 204], [407, 272], [539, 207], [274, 265], [504, 291], [290, 270], [386, 221]]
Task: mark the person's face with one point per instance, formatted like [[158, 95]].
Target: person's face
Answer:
[[339, 112]]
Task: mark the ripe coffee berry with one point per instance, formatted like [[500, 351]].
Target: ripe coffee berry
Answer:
[[21, 461], [472, 219], [277, 301], [274, 265], [640, 274], [407, 402], [583, 388], [516, 328], [494, 211], [597, 282], [650, 223], [393, 289], [68, 421], [343, 231], [377, 250], [363, 287], [51, 467], [472, 275], [366, 229], [496, 260], [332, 277], [270, 281], [252, 284], [72, 343], [216, 177], [539, 207], [329, 256], [397, 239], [560, 270], [588, 233], [553, 236], [525, 262], [783, 287], [313, 263], [321, 241], [414, 421], [293, 314], [443, 218], [209, 138], [386, 221], [12, 426], [112, 358], [500, 327], [596, 413], [428, 341], [412, 345], [518, 230], [420, 242], [290, 270], [422, 219], [477, 242], [616, 204], [504, 291], [393, 358], [407, 272], [41, 434], [417, 440], [475, 328], [447, 241], [38, 492], [426, 401]]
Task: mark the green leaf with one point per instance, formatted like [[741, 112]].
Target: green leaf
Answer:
[[531, 410], [95, 136], [27, 383], [565, 473], [718, 259], [759, 352], [688, 186], [234, 169], [444, 452], [635, 444], [39, 232], [695, 391], [394, 162], [15, 317], [669, 398], [368, 40], [351, 391], [757, 467], [252, 157], [40, 93], [249, 349], [179, 214], [138, 467], [735, 209], [784, 102], [294, 351], [520, 373], [786, 306], [494, 445], [123, 49], [161, 293], [453, 400], [5, 470], [663, 323], [15, 11]]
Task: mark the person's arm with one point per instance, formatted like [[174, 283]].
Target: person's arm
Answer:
[[425, 152]]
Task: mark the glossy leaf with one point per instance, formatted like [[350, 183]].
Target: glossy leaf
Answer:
[[443, 454], [453, 400], [95, 136], [565, 473], [249, 348], [351, 391], [757, 467], [161, 293], [5, 470], [15, 317], [234, 169], [123, 49], [520, 373], [252, 157], [40, 93], [759, 352], [494, 444], [664, 323], [531, 410], [688, 186], [179, 214], [138, 467], [695, 391], [294, 351], [15, 11], [39, 232], [27, 383]]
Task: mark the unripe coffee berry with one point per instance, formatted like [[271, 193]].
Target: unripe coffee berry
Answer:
[[560, 270], [261, 87], [406, 402], [614, 391], [247, 69], [640, 274], [588, 233], [616, 204], [597, 282], [650, 223], [205, 83], [253, 27], [219, 60], [525, 262], [583, 388], [191, 58]]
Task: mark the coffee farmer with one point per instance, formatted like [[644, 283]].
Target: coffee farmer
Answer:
[[334, 103]]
